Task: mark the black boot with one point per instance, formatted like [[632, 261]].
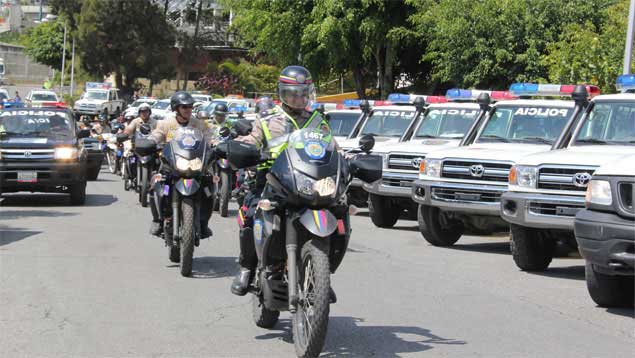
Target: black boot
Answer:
[[241, 282], [156, 228], [206, 232]]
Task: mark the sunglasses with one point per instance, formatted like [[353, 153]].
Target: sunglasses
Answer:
[[187, 106]]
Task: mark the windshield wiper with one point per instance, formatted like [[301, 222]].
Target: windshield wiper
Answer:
[[498, 138], [537, 139], [591, 140]]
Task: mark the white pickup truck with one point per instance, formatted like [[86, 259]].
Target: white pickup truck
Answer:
[[547, 189], [459, 189], [442, 125], [97, 99]]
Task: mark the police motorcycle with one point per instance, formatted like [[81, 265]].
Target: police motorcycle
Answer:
[[113, 150], [301, 227], [145, 165], [224, 179], [180, 187]]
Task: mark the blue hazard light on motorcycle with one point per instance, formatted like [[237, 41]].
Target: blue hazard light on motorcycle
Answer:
[[625, 82]]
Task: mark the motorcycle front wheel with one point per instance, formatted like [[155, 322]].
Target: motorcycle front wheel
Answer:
[[225, 194], [112, 161], [310, 322], [186, 241], [143, 192]]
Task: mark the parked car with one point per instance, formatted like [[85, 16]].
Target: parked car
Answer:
[[38, 98]]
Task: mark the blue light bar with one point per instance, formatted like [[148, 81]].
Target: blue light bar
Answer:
[[625, 82], [399, 98], [238, 109], [456, 93], [520, 89], [351, 103]]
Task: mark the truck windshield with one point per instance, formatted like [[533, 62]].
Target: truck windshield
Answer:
[[139, 102], [35, 123], [388, 123], [96, 95], [342, 123], [44, 97], [161, 105], [446, 123], [525, 123], [608, 123]]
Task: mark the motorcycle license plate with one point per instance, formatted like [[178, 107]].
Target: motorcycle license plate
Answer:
[[27, 177]]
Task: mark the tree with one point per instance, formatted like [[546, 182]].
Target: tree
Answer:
[[114, 40], [239, 77], [44, 44]]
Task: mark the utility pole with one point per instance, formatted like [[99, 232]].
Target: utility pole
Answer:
[[41, 1], [73, 69], [628, 51], [63, 58]]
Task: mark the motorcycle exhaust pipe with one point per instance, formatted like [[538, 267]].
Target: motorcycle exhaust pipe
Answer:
[[176, 220], [292, 265]]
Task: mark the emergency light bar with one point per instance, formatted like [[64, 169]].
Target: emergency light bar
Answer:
[[356, 103], [625, 82], [456, 94], [98, 85], [238, 109], [351, 103], [535, 89], [403, 98]]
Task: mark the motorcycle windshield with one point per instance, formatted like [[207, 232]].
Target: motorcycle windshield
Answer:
[[313, 152], [188, 142]]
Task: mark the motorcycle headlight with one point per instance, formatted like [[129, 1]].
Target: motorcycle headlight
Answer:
[[433, 167], [599, 192], [304, 183], [325, 187], [184, 164], [66, 153], [523, 176]]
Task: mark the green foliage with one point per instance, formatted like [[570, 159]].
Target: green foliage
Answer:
[[12, 37], [44, 44], [239, 77]]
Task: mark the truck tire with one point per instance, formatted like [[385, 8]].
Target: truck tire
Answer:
[[78, 193], [382, 212], [531, 249], [436, 228], [93, 173], [608, 290]]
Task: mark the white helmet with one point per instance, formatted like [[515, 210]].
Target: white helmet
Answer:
[[145, 107]]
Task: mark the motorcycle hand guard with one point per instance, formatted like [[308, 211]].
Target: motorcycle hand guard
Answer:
[[144, 146], [368, 168]]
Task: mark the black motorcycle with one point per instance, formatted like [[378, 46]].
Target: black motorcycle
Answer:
[[301, 228], [145, 165], [224, 180], [180, 187]]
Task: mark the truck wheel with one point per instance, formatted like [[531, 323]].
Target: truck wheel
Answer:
[[93, 173], [531, 249], [78, 193], [382, 212], [609, 290], [436, 228]]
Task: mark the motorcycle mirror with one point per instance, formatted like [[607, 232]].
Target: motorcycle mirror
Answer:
[[202, 115], [366, 143], [224, 132], [84, 133], [368, 168], [240, 155], [364, 106], [419, 103]]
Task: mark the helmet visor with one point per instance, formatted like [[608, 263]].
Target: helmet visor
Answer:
[[296, 96]]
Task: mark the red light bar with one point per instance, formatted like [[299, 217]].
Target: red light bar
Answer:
[[436, 99]]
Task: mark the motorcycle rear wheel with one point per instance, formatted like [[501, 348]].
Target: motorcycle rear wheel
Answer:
[[310, 322], [186, 241]]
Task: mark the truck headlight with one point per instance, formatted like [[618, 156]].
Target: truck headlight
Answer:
[[183, 164], [431, 167], [599, 192], [523, 176], [66, 153]]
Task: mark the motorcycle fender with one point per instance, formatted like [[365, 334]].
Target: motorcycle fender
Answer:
[[320, 223], [187, 187]]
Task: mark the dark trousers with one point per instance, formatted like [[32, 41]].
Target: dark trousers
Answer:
[[162, 205], [248, 257]]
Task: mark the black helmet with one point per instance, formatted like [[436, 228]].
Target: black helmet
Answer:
[[181, 98], [295, 87], [221, 109]]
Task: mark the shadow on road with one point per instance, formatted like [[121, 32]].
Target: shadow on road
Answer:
[[346, 338], [569, 272], [486, 247], [24, 200], [214, 267], [11, 235], [626, 312], [405, 228], [17, 214]]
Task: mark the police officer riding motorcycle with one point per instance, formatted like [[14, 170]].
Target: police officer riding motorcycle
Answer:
[[141, 166]]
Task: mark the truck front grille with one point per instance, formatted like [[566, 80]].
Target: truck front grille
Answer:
[[400, 183], [466, 195], [473, 170], [626, 196], [559, 178], [403, 161], [27, 155]]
